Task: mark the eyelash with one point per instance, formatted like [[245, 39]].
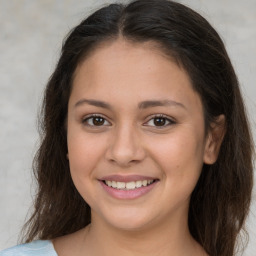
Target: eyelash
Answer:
[[164, 118], [161, 116], [94, 116]]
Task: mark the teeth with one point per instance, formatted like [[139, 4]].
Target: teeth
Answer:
[[150, 182], [114, 185], [128, 185], [120, 185], [138, 184], [144, 183]]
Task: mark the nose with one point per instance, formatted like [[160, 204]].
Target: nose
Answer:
[[125, 147]]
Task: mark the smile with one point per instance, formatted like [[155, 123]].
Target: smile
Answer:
[[128, 185]]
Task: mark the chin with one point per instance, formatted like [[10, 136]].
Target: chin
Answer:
[[129, 221]]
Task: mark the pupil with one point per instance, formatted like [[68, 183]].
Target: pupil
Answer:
[[98, 121], [159, 121]]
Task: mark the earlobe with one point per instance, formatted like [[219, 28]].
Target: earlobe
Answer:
[[214, 139]]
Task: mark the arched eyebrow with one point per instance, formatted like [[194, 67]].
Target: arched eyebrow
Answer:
[[96, 103], [141, 105], [159, 103]]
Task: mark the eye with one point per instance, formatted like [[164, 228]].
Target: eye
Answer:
[[95, 120], [160, 121]]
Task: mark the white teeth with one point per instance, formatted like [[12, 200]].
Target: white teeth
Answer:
[[114, 185], [120, 185], [128, 185], [144, 183], [138, 184]]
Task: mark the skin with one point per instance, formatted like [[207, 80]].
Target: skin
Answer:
[[124, 74]]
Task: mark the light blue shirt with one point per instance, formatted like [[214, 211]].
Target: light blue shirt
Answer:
[[35, 248]]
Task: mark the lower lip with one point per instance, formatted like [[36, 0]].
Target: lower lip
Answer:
[[128, 194]]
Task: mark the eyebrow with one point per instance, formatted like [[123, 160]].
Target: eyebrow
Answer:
[[95, 103], [141, 105], [159, 103]]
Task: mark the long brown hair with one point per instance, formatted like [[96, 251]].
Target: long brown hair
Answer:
[[221, 199]]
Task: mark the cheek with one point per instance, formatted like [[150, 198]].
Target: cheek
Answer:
[[84, 152], [84, 156], [180, 149], [180, 157]]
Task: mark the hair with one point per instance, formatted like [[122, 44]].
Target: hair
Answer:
[[220, 201]]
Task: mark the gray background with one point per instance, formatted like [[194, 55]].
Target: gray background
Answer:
[[30, 38]]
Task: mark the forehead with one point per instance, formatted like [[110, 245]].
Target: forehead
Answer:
[[122, 50], [122, 68], [134, 57], [128, 45]]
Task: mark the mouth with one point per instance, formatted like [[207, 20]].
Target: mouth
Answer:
[[128, 187], [131, 185]]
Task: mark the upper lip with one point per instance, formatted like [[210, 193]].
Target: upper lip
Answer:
[[127, 178]]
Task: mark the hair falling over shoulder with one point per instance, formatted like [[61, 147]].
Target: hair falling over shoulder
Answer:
[[220, 202]]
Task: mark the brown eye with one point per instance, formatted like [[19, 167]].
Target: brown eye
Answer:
[[159, 121], [96, 121]]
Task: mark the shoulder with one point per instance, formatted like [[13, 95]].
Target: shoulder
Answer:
[[35, 248]]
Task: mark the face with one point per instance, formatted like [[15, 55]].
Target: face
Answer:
[[136, 137]]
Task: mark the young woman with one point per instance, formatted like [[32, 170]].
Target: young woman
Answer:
[[146, 148]]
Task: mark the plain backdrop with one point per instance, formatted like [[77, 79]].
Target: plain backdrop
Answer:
[[31, 33]]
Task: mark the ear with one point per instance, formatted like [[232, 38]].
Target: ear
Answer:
[[214, 139], [67, 156]]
